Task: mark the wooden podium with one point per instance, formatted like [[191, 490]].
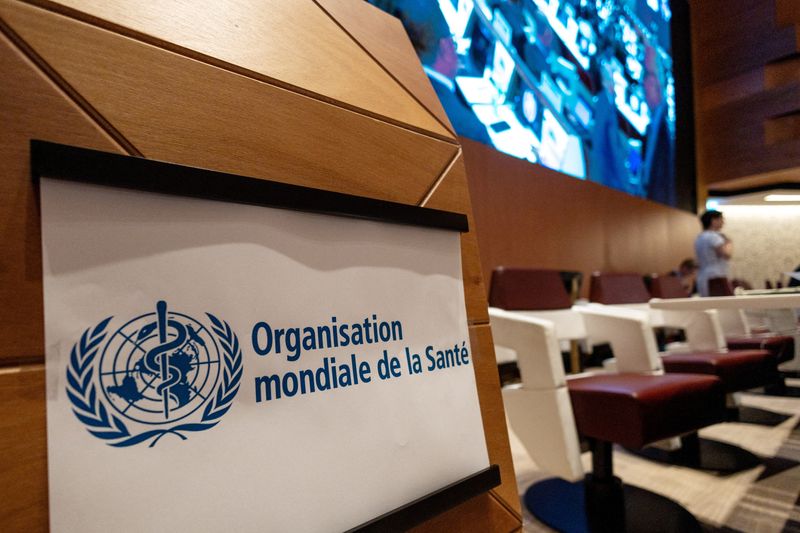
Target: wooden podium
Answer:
[[327, 94]]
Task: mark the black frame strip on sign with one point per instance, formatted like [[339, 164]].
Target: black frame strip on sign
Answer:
[[430, 505], [59, 161]]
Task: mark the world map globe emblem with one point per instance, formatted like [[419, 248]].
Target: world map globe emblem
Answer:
[[159, 367], [160, 373]]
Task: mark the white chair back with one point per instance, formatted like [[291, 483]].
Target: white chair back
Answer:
[[702, 328], [539, 409], [630, 334], [782, 321], [655, 315], [734, 322], [567, 322]]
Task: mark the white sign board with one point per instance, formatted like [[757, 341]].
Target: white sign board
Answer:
[[225, 367]]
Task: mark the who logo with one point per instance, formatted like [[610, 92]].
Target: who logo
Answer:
[[161, 373]]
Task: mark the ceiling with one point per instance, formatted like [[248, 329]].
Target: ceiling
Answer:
[[755, 197]]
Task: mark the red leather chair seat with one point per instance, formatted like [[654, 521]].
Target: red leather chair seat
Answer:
[[635, 410], [780, 346], [739, 370]]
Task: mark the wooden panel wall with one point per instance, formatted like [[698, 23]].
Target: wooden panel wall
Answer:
[[746, 60], [529, 215], [322, 93]]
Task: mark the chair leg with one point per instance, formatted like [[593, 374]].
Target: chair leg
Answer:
[[604, 496], [608, 506], [689, 452]]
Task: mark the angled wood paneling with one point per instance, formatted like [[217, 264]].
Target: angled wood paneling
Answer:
[[452, 194], [791, 175], [292, 41], [730, 90], [746, 82], [767, 159], [782, 128], [782, 72], [370, 26], [478, 515], [787, 12], [23, 450], [181, 110], [31, 107], [196, 90], [736, 37], [493, 413]]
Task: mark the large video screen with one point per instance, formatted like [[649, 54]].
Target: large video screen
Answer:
[[580, 86]]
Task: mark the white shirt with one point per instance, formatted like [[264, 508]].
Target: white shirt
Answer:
[[710, 264]]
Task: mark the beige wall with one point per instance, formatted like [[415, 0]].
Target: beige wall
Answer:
[[766, 241]]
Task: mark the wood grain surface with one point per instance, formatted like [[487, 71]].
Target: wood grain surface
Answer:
[[292, 42], [452, 194], [746, 79], [23, 450], [180, 110], [31, 107], [369, 27], [269, 89], [494, 414]]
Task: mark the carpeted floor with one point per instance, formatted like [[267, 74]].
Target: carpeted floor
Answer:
[[763, 499]]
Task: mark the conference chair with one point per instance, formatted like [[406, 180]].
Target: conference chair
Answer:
[[666, 287], [720, 287], [633, 342], [703, 332], [540, 293], [739, 335], [618, 289], [521, 289], [627, 289], [548, 411], [623, 290]]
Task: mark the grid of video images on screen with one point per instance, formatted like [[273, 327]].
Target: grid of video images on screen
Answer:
[[580, 86]]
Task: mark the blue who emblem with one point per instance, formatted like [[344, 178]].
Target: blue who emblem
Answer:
[[162, 372]]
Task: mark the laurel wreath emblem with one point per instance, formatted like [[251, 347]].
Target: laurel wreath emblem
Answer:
[[89, 409]]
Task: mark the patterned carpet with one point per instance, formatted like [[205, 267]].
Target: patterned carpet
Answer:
[[764, 499]]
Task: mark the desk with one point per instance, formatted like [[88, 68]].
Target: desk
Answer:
[[770, 301], [765, 292], [568, 326], [741, 302]]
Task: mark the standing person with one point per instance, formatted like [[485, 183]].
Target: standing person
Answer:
[[713, 250]]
